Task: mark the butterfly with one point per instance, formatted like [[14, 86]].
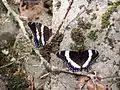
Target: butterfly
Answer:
[[41, 33], [76, 61]]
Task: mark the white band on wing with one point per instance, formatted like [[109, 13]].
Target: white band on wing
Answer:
[[37, 32], [88, 60], [42, 35], [71, 61]]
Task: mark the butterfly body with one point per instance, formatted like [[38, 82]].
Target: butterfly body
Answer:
[[78, 60], [41, 33]]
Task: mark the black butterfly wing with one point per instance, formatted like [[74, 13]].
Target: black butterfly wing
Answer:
[[32, 26], [47, 33], [72, 68], [79, 57]]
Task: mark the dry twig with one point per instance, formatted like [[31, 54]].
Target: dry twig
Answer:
[[111, 77], [68, 9], [16, 16], [45, 75], [65, 15], [6, 65]]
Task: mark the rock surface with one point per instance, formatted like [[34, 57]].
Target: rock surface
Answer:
[[107, 42], [85, 15]]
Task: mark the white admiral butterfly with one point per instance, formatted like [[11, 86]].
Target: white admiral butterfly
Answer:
[[40, 32], [78, 60]]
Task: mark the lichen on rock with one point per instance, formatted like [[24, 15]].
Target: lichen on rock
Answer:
[[92, 35], [52, 47], [78, 38], [2, 7], [105, 17], [84, 24]]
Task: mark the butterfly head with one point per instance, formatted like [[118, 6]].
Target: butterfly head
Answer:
[[31, 24]]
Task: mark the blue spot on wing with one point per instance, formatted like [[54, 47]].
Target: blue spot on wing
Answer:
[[37, 44], [72, 68]]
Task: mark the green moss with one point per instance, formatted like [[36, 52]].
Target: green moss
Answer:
[[17, 82], [116, 3], [83, 24], [52, 47], [76, 47], [78, 38], [92, 35], [13, 82], [105, 17], [110, 3]]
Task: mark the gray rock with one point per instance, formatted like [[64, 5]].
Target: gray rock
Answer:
[[114, 87], [63, 82], [2, 85], [8, 32]]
